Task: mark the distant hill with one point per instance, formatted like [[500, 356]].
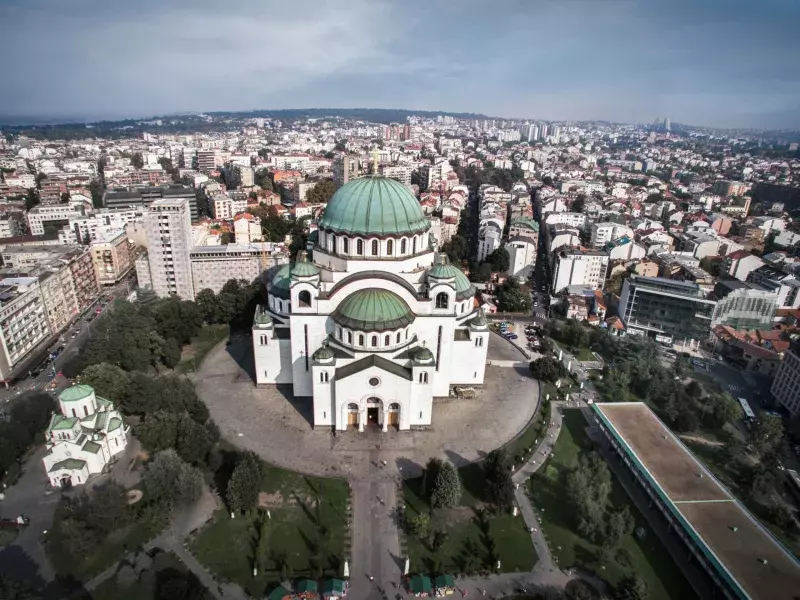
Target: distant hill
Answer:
[[185, 123]]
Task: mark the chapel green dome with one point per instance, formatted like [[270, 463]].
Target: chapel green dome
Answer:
[[323, 354], [373, 310], [423, 355], [374, 206], [75, 393], [462, 285], [304, 268]]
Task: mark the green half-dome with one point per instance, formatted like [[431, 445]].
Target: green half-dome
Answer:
[[282, 282], [76, 392], [305, 269], [373, 310], [374, 206], [444, 270]]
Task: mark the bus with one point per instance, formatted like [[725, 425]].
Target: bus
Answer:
[[749, 415]]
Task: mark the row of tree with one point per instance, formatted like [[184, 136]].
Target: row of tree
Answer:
[[25, 423]]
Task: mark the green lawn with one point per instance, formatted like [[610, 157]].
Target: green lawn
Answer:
[[465, 536], [647, 556], [303, 533], [194, 352]]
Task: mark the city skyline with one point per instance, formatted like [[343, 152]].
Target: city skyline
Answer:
[[577, 60]]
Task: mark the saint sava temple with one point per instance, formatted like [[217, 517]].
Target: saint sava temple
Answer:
[[376, 322]]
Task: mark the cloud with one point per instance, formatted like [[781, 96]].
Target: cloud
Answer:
[[575, 59]]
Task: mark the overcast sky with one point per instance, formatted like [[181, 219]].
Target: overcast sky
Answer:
[[724, 63]]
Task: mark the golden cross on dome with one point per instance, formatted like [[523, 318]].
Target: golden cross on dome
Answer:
[[375, 161]]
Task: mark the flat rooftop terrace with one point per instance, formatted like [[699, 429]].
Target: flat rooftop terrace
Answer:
[[740, 548]]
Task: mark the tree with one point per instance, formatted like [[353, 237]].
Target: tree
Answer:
[[499, 260], [417, 525], [548, 368], [614, 283], [137, 162], [446, 491], [206, 301], [321, 192], [108, 381], [171, 482], [631, 587], [512, 298], [499, 486], [456, 249], [766, 434], [694, 389], [580, 203], [245, 482], [574, 334], [588, 488], [721, 409], [32, 199]]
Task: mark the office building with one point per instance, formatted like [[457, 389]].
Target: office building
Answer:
[[55, 216], [214, 266], [743, 305], [667, 310], [345, 168], [169, 239]]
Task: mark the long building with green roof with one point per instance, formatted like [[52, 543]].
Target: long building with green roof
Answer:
[[372, 322]]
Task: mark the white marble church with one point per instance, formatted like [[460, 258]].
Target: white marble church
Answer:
[[378, 324]]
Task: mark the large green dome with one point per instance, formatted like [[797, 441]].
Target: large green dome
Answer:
[[373, 310], [374, 206]]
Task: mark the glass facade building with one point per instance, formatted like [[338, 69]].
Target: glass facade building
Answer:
[[667, 310]]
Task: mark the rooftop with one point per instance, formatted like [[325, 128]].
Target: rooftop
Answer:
[[742, 551]]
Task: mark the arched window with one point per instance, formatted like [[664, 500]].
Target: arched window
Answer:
[[304, 298], [332, 243], [374, 247], [323, 377], [374, 341], [423, 377], [360, 339], [390, 247], [398, 337], [350, 337], [442, 300], [387, 340], [345, 246], [402, 246], [414, 245], [360, 247], [339, 332], [406, 334]]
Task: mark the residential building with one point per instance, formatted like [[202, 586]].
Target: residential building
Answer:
[[345, 168], [144, 196], [82, 437], [169, 238], [524, 227], [83, 230], [401, 173], [112, 257], [224, 206], [489, 240], [12, 224], [667, 310], [739, 264], [247, 228], [522, 256], [786, 387], [573, 266], [214, 266], [607, 231], [24, 329]]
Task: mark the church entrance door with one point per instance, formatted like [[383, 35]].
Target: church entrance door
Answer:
[[372, 414]]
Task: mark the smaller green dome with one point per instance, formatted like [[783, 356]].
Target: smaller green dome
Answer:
[[261, 316], [423, 355], [304, 268], [75, 393], [323, 354], [444, 270], [282, 282], [373, 310]]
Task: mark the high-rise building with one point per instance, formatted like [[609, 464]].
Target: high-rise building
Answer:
[[667, 124], [345, 168], [786, 387], [168, 227], [143, 196]]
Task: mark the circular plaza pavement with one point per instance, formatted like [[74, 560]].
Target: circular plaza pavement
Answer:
[[271, 422]]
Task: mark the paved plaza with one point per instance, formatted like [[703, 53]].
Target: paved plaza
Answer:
[[272, 423]]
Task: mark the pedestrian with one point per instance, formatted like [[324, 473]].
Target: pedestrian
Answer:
[[371, 578]]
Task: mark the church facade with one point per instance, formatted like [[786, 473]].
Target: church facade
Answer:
[[379, 323]]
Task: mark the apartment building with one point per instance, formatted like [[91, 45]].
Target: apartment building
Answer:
[[111, 257], [573, 266], [168, 226], [213, 266], [605, 232], [345, 169], [401, 173], [83, 230], [143, 197], [24, 329], [522, 256], [12, 224], [224, 206], [786, 386], [568, 219]]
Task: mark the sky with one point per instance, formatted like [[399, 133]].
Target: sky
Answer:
[[721, 63]]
